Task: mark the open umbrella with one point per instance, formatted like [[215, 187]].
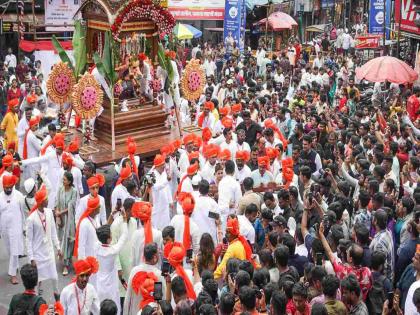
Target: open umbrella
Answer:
[[185, 31], [279, 21], [387, 69]]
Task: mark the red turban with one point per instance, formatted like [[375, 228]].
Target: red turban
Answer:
[[143, 283], [227, 122], [142, 56], [243, 155], [167, 149], [209, 105], [212, 150], [225, 154], [31, 98], [32, 122], [192, 169], [175, 253], [287, 163], [197, 142], [237, 108], [287, 176], [57, 138], [159, 160], [6, 162], [9, 180], [86, 266], [272, 153], [40, 196], [92, 204], [177, 144], [11, 146], [193, 155], [58, 309], [188, 203], [131, 150], [143, 211], [206, 134], [232, 226], [74, 145], [67, 159], [189, 138], [264, 161], [124, 174], [224, 111], [13, 103], [97, 179]]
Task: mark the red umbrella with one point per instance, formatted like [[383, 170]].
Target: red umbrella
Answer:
[[279, 21], [387, 69]]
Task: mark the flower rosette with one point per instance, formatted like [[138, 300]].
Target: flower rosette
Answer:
[[193, 80], [60, 83], [87, 97]]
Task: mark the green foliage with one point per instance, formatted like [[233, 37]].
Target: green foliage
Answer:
[[165, 62], [106, 65], [79, 48], [61, 52]]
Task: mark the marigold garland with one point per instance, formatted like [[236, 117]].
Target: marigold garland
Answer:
[[87, 97], [193, 80], [60, 83], [144, 9]]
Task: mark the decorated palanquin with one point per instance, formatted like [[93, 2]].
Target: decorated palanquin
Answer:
[[136, 26]]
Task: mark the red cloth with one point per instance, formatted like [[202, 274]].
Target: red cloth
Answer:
[[29, 46], [12, 95], [188, 204], [143, 283], [291, 308], [233, 226], [363, 275], [413, 106], [143, 211], [131, 150]]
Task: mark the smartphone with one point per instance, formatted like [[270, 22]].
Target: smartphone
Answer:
[[225, 241], [310, 197], [119, 203], [390, 297], [189, 253], [319, 259], [214, 215], [157, 291], [166, 267]]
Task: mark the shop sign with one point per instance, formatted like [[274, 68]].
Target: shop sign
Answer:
[[408, 16], [367, 41], [197, 9], [59, 13]]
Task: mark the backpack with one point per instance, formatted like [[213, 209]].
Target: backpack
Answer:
[[376, 296], [28, 307]]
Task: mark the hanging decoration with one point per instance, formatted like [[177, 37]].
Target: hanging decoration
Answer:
[[155, 83], [193, 80], [144, 10], [87, 97], [60, 83]]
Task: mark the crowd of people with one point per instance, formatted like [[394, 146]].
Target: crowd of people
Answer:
[[300, 196]]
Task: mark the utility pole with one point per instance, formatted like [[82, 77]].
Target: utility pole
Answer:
[[384, 28]]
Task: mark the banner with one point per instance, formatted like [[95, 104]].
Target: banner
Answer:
[[234, 24], [197, 9], [60, 12], [376, 17], [408, 16], [367, 41]]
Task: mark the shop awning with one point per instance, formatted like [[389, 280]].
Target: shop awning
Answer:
[[318, 28], [218, 29], [29, 46]]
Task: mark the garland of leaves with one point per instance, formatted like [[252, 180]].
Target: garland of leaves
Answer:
[[144, 9]]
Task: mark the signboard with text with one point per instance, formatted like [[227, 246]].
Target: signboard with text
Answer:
[[408, 16], [234, 24], [59, 13], [367, 41], [197, 9], [377, 16]]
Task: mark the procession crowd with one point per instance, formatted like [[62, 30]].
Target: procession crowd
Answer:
[[299, 196]]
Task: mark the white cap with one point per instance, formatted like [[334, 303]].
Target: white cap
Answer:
[[230, 81], [196, 180], [29, 185]]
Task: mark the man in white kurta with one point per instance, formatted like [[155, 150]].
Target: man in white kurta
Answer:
[[124, 259], [11, 223], [161, 195], [31, 149], [7, 162], [21, 128], [203, 205], [80, 297], [242, 170], [107, 277], [229, 193], [151, 258], [41, 239], [138, 244]]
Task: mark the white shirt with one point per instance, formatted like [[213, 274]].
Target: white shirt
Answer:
[[246, 228], [243, 173], [81, 207], [229, 192], [207, 172], [21, 129], [88, 300], [119, 192], [203, 205], [138, 244], [258, 179], [410, 308], [87, 238], [178, 222], [10, 61]]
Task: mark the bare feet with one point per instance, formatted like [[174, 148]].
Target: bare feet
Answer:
[[65, 271], [13, 280]]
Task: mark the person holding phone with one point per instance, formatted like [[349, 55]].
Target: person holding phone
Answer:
[[120, 193]]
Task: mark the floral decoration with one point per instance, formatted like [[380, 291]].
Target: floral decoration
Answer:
[[60, 83], [87, 97], [144, 10], [193, 80]]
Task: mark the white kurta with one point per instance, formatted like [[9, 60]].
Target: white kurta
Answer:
[[258, 179], [107, 276], [183, 162], [229, 193], [81, 207], [204, 204], [172, 169], [12, 220], [88, 300], [124, 259], [132, 300], [40, 243], [246, 228], [162, 198], [33, 145], [119, 192], [138, 244], [243, 173], [231, 146], [178, 223], [21, 129], [53, 166], [207, 172]]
